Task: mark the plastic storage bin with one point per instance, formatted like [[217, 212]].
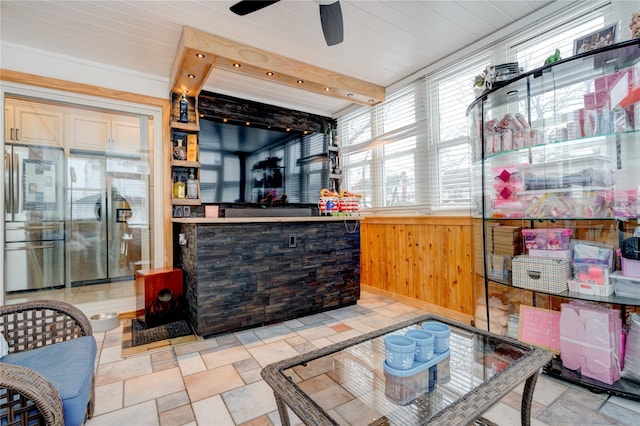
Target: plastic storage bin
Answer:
[[552, 254], [547, 238], [591, 272], [625, 286], [591, 251], [590, 289]]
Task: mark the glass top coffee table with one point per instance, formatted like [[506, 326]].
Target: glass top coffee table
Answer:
[[346, 383]]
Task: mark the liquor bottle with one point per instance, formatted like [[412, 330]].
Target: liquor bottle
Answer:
[[184, 108], [192, 186], [178, 151], [178, 188]]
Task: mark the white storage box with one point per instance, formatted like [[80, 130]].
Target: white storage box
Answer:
[[591, 289], [552, 254], [625, 286]]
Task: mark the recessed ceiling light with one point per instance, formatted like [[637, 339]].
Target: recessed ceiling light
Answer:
[[300, 81], [326, 89], [200, 55], [191, 75], [371, 101], [269, 73], [288, 129], [248, 123], [350, 95], [237, 65], [224, 120]]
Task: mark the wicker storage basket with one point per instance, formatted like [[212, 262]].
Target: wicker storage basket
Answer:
[[540, 274]]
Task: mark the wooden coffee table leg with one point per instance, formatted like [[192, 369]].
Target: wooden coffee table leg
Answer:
[[282, 409], [527, 399]]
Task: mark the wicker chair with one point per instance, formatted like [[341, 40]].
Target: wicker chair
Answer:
[[27, 397]]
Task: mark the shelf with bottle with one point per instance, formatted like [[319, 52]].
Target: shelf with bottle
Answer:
[[185, 149], [184, 113], [186, 186]]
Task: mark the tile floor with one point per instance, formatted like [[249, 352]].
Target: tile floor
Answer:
[[217, 381]]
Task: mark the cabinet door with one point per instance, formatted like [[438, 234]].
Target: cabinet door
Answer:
[[125, 135], [9, 122], [90, 131], [38, 124]]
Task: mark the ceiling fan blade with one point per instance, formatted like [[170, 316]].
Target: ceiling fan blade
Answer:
[[245, 7], [331, 19]]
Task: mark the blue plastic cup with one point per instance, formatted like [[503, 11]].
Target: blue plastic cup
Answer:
[[441, 332], [399, 351], [424, 344]]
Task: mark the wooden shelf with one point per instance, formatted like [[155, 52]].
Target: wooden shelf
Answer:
[[185, 127], [184, 163], [185, 201]]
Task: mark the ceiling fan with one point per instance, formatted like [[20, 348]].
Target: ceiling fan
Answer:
[[330, 16]]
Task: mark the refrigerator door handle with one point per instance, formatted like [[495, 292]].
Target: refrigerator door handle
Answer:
[[31, 247], [8, 184], [34, 227], [16, 186]]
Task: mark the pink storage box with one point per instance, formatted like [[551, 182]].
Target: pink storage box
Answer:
[[630, 267], [547, 238]]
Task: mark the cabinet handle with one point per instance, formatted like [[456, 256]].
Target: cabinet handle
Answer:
[[12, 134], [17, 134]]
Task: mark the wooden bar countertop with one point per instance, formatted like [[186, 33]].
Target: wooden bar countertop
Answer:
[[259, 219]]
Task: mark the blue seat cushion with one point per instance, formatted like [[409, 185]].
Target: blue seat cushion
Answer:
[[69, 366]]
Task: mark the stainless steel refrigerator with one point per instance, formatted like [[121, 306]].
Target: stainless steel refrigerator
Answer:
[[108, 217], [34, 217]]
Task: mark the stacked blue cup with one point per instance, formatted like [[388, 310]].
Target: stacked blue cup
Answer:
[[424, 344], [399, 351], [441, 332]]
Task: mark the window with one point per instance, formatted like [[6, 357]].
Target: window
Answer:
[[383, 147]]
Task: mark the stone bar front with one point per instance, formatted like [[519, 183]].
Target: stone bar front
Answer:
[[245, 272]]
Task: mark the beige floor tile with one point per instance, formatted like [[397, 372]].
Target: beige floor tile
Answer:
[[191, 363], [316, 333], [504, 415], [217, 358], [152, 386], [174, 400], [249, 402], [177, 416], [272, 352], [109, 397], [110, 354], [251, 376], [211, 408], [139, 415], [212, 382], [321, 343], [345, 335], [124, 369]]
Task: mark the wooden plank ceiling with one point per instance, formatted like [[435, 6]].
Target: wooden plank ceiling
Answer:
[[384, 41]]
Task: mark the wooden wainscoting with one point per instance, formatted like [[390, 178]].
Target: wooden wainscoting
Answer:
[[426, 258]]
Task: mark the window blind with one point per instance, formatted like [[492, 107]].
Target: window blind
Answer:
[[383, 146]]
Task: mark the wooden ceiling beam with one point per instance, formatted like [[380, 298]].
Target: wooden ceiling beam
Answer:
[[190, 71]]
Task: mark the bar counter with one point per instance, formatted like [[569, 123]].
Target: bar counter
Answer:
[[246, 272]]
